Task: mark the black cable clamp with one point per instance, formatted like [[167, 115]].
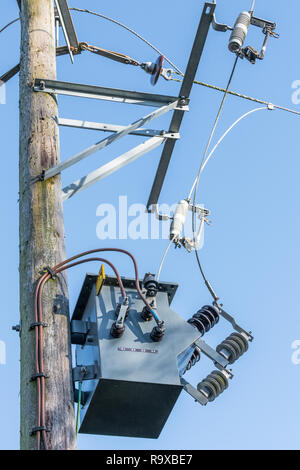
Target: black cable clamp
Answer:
[[41, 177], [39, 375], [50, 271], [38, 323], [39, 429]]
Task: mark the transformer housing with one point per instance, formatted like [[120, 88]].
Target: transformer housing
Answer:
[[130, 384]]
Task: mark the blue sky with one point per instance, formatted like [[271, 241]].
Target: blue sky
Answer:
[[251, 252]]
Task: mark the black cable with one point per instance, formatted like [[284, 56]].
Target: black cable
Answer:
[[207, 283], [9, 24], [130, 30]]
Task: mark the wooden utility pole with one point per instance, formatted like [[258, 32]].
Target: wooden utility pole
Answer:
[[42, 234]]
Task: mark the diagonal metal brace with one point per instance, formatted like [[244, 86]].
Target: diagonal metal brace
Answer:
[[67, 26], [104, 127], [111, 167], [107, 94], [219, 360], [199, 397], [232, 321], [81, 373], [108, 140], [188, 80]]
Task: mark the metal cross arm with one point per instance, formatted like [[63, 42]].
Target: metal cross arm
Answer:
[[188, 80], [67, 26], [219, 360], [108, 140], [104, 127], [112, 166], [107, 94], [199, 397]]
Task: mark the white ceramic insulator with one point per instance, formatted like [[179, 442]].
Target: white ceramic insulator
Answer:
[[179, 219], [239, 32]]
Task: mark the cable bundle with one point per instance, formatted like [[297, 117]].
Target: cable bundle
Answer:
[[40, 430]]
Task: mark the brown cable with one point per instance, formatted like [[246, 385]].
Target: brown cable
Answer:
[[40, 338], [39, 316], [118, 250]]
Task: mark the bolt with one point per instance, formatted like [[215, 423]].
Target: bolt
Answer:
[[16, 328]]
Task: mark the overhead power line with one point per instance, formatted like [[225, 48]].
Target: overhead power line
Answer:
[[177, 70], [240, 95], [210, 140], [9, 24], [81, 10], [223, 137]]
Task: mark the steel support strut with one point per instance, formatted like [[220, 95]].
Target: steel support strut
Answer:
[[188, 80]]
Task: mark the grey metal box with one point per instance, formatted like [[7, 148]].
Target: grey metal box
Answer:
[[137, 381]]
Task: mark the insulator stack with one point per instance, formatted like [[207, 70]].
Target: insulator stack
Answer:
[[239, 32], [179, 220], [194, 359], [213, 385], [233, 347], [150, 284], [157, 334], [116, 330], [146, 314], [205, 319]]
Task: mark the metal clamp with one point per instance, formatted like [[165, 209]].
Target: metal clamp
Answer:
[[50, 271], [38, 323], [81, 373], [37, 429], [39, 376], [80, 331], [263, 23], [232, 321], [220, 362], [198, 396], [220, 26], [122, 312]]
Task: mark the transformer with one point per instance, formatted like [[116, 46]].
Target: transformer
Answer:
[[130, 384]]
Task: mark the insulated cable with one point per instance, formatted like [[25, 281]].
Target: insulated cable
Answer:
[[40, 375], [252, 7], [240, 95], [210, 139], [39, 349], [164, 257], [177, 70], [81, 10], [9, 24], [78, 407], [199, 173], [222, 138], [118, 250]]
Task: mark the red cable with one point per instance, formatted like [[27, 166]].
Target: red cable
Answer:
[[39, 350]]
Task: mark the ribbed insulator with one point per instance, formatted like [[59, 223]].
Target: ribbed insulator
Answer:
[[205, 319], [213, 385], [195, 357], [233, 347], [179, 219], [239, 32]]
